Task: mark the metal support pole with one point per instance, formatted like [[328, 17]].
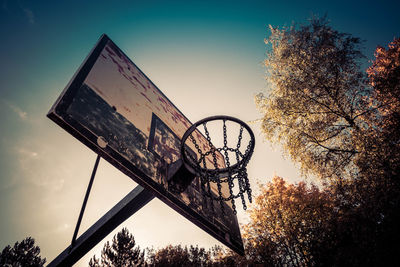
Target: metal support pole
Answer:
[[78, 223], [131, 203]]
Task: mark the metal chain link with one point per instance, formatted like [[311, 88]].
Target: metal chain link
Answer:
[[238, 172]]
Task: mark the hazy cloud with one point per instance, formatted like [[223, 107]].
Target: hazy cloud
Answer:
[[35, 167], [16, 7], [20, 161], [27, 153], [22, 114], [27, 159], [29, 14]]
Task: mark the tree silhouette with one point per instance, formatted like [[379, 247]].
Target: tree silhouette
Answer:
[[179, 256], [122, 252], [25, 253]]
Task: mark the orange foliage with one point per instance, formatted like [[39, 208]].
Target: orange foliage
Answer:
[[384, 75], [288, 223]]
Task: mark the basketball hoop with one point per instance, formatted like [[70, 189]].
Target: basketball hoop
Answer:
[[206, 161], [146, 146]]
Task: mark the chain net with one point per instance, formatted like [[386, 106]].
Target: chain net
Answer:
[[234, 174]]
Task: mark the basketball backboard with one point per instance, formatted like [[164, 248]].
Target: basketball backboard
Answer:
[[112, 107]]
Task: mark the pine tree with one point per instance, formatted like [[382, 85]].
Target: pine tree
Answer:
[[22, 254], [122, 252]]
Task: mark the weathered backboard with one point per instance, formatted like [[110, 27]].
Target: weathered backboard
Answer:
[[113, 108]]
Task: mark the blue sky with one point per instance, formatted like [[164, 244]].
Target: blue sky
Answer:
[[206, 56]]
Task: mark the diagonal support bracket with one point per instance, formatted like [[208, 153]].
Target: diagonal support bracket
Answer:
[[125, 208], [78, 224]]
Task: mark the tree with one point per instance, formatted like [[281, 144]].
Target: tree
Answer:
[[179, 256], [384, 144], [371, 202], [291, 225], [25, 253], [384, 75], [377, 191], [338, 123], [228, 258], [316, 96], [122, 252]]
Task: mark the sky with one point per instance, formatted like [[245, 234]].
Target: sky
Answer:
[[206, 57]]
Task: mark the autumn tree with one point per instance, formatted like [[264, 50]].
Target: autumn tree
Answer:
[[222, 257], [377, 191], [290, 225], [24, 253], [340, 124], [370, 203], [122, 252], [383, 148], [315, 97], [384, 75]]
